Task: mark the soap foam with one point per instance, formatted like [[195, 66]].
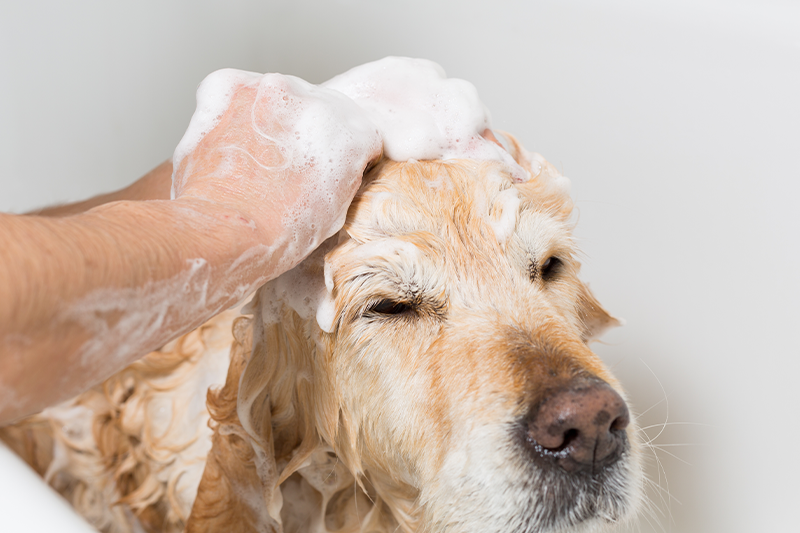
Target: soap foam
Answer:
[[508, 202], [213, 97], [304, 289], [326, 313], [421, 113], [321, 148]]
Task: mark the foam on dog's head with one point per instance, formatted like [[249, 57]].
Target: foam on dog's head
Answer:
[[421, 113]]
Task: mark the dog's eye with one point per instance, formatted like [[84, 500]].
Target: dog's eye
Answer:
[[390, 307], [550, 268]]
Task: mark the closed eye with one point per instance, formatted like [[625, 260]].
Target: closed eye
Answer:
[[390, 307]]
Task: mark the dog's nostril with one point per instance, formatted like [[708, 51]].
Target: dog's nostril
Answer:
[[579, 426], [621, 422], [569, 436]]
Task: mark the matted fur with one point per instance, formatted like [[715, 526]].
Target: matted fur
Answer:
[[386, 422]]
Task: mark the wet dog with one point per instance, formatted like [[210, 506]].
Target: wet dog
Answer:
[[425, 370]]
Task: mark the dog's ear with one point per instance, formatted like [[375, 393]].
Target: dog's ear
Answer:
[[259, 422], [547, 188], [595, 320], [230, 495]]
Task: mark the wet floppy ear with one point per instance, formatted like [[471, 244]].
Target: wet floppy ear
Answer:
[[260, 421], [231, 478], [595, 320]]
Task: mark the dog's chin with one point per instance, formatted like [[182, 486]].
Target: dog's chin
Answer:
[[526, 497], [584, 500], [562, 502]]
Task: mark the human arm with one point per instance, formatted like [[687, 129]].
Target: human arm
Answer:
[[155, 185], [83, 295]]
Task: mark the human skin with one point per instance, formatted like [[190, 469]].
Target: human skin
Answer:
[[88, 288], [155, 185]]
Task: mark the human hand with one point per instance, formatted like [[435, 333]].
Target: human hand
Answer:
[[279, 156]]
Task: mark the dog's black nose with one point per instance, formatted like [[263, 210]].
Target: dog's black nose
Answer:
[[580, 426]]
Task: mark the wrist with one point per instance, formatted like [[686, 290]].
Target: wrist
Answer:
[[228, 228]]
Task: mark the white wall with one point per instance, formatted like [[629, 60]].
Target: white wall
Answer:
[[678, 123]]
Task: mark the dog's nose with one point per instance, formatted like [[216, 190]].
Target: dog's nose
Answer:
[[580, 426]]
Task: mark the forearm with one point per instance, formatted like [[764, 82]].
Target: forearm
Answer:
[[155, 185], [92, 292]]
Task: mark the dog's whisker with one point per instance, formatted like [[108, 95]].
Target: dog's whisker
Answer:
[[644, 428], [654, 506], [659, 402], [650, 512], [654, 447], [666, 489], [666, 399], [659, 446], [655, 510], [661, 470], [651, 489], [623, 359], [669, 495], [655, 520]]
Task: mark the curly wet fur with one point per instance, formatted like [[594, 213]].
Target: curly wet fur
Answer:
[[131, 451], [383, 423]]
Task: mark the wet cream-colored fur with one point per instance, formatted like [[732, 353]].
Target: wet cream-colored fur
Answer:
[[384, 394]]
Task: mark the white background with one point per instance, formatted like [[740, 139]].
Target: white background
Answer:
[[678, 123]]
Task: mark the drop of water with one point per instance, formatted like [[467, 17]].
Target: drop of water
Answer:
[[536, 168]]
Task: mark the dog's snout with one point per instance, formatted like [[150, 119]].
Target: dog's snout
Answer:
[[580, 426]]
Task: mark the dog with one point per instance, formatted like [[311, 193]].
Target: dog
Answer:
[[425, 370]]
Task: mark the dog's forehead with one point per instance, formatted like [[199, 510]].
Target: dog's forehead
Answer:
[[446, 207]]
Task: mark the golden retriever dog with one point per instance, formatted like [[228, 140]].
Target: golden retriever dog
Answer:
[[426, 370]]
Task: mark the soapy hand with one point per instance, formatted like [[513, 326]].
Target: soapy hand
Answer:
[[285, 157]]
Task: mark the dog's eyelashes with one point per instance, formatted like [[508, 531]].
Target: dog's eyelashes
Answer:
[[389, 307], [550, 268]]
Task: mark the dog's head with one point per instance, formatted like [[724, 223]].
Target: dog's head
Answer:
[[428, 368]]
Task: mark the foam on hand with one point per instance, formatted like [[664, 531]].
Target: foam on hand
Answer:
[[296, 152], [213, 98], [324, 147], [421, 113]]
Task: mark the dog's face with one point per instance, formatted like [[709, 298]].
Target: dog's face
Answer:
[[451, 372]]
